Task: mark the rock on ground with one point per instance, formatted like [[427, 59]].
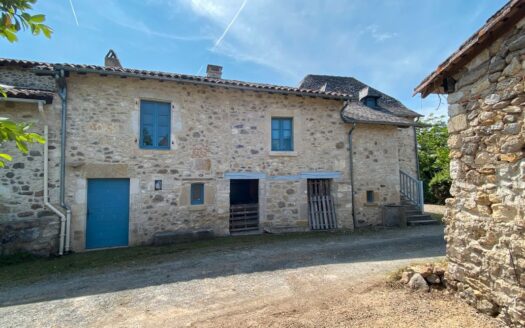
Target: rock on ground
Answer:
[[417, 282]]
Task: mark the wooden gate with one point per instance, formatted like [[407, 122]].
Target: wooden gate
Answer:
[[244, 205], [321, 205], [244, 217]]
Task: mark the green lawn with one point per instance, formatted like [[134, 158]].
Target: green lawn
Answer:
[[24, 268]]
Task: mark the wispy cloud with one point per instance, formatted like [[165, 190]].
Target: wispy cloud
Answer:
[[116, 15], [378, 35], [73, 11]]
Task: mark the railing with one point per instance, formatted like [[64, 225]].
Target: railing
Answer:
[[412, 189]]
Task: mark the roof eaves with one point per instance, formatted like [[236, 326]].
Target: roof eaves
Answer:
[[144, 74], [493, 28], [26, 93], [352, 120]]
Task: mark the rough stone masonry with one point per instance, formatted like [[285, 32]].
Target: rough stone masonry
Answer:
[[485, 218], [215, 132]]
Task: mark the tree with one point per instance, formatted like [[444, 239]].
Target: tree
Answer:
[[14, 17], [433, 159]]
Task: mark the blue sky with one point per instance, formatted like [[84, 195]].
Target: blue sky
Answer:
[[390, 44]]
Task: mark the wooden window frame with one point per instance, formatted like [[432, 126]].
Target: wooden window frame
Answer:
[[156, 114], [200, 199], [281, 137], [370, 197]]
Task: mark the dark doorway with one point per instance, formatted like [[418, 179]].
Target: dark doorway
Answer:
[[244, 206]]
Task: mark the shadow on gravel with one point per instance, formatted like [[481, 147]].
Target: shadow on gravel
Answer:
[[385, 245]]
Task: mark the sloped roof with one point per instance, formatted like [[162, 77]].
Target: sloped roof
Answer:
[[185, 78], [27, 93], [356, 112], [496, 25], [352, 86]]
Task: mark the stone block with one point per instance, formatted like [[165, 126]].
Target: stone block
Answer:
[[457, 123], [503, 212], [92, 170]]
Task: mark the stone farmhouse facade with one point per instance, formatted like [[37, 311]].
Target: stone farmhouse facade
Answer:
[[153, 156], [485, 218]]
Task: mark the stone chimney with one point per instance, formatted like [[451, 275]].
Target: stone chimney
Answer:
[[111, 59], [214, 71]]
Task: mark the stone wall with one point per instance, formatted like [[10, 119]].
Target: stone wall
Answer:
[[485, 219], [214, 131], [23, 77], [22, 186], [376, 169], [406, 151]]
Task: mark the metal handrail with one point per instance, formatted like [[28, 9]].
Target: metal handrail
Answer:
[[411, 188]]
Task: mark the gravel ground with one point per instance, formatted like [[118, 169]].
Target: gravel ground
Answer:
[[300, 283]]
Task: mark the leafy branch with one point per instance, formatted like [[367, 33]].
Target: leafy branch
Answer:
[[18, 133], [14, 18]]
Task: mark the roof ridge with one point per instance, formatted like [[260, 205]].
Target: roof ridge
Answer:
[[156, 74]]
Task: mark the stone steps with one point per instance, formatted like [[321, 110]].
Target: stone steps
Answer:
[[414, 215]]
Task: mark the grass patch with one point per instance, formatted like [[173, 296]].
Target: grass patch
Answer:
[[21, 268], [16, 259]]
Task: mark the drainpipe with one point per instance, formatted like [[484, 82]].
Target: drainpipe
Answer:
[[415, 149], [351, 159], [61, 81], [63, 218], [46, 195]]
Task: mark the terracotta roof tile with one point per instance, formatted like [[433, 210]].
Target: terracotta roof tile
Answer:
[[26, 93]]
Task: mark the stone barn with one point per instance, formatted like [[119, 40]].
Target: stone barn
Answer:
[[138, 157], [485, 219]]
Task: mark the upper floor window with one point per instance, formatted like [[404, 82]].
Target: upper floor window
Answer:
[[155, 125], [371, 101], [197, 193], [282, 134]]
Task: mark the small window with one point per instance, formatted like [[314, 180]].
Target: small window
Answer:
[[282, 134], [197, 193], [155, 125], [370, 196], [371, 102]]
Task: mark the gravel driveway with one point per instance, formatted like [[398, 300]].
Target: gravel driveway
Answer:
[[199, 286]]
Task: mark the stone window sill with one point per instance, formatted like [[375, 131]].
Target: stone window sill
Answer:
[[197, 207], [283, 153], [371, 204]]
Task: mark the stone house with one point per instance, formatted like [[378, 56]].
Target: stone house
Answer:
[[485, 219], [154, 156]]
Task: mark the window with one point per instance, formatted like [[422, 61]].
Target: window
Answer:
[[282, 134], [371, 102], [370, 196], [155, 125], [197, 193]]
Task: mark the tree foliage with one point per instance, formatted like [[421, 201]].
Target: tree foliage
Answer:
[[15, 17], [433, 159], [17, 133]]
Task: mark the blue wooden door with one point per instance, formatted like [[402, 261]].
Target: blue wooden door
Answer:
[[108, 213]]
